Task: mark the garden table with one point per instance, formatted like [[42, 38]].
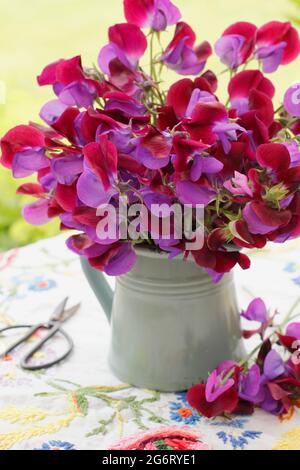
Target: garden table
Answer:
[[79, 404]]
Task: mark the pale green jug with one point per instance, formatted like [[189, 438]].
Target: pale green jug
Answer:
[[170, 324]]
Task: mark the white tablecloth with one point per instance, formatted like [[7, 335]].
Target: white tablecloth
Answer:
[[79, 404]]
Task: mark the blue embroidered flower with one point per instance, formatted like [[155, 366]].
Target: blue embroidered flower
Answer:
[[236, 423], [238, 441], [57, 445], [40, 284], [182, 412], [291, 267], [296, 281]]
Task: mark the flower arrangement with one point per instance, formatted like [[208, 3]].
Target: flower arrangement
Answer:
[[117, 133], [270, 382]]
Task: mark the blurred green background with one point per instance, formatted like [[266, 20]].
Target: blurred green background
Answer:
[[34, 33]]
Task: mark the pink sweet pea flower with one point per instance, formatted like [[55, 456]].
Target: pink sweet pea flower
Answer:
[[239, 185], [236, 44], [277, 43], [153, 14], [181, 55], [127, 43]]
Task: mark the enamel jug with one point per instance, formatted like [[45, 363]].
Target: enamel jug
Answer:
[[170, 324]]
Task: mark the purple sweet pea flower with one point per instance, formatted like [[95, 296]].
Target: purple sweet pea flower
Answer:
[[28, 161], [92, 251], [292, 100], [122, 262], [273, 366], [255, 224], [81, 94], [181, 55], [249, 385], [91, 191], [198, 96], [271, 56], [227, 132], [204, 165], [66, 169], [228, 48], [294, 152], [52, 110], [191, 193], [183, 59], [256, 311]]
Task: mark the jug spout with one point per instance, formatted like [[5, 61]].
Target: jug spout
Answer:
[[100, 287]]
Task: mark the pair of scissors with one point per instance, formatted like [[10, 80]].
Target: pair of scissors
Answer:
[[60, 315]]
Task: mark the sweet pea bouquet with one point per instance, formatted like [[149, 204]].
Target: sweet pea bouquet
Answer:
[[116, 132], [268, 379]]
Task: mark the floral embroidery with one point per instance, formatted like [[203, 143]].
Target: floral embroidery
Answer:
[[296, 281], [290, 440], [57, 445], [182, 412], [238, 441], [39, 285], [291, 267], [6, 259], [173, 438]]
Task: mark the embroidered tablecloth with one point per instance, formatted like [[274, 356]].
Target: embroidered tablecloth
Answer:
[[79, 404]]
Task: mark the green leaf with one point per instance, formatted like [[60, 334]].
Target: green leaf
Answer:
[[82, 403]]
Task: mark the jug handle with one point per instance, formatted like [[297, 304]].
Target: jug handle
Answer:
[[100, 286]]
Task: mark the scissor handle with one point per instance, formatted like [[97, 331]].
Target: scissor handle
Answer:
[[31, 331], [53, 329]]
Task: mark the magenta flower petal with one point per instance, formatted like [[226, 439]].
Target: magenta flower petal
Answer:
[[91, 191], [249, 386], [237, 44], [106, 55], [228, 48], [66, 169], [28, 161], [80, 94], [52, 110], [130, 40], [36, 213], [192, 193], [122, 262], [275, 33], [273, 365], [271, 56], [155, 14], [215, 388], [293, 330], [256, 311], [262, 220]]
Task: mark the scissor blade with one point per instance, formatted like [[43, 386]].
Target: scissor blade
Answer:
[[59, 311], [70, 312]]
